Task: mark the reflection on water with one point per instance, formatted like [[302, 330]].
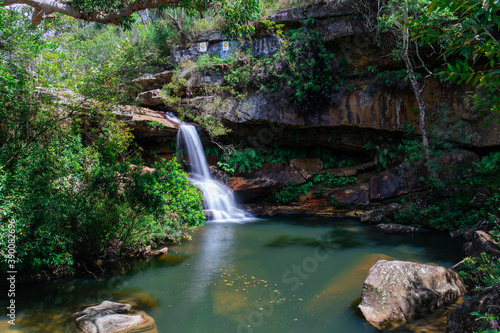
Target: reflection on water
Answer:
[[295, 275], [215, 252]]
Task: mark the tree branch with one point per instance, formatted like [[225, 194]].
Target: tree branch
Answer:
[[46, 7]]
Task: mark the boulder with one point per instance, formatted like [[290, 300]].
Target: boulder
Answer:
[[460, 319], [479, 242], [394, 228], [341, 172], [248, 190], [112, 317], [261, 183], [161, 251], [154, 81], [280, 172], [307, 166], [150, 98], [398, 290], [397, 181], [351, 195], [348, 171], [454, 166], [378, 215]]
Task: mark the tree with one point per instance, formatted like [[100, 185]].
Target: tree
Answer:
[[395, 18], [470, 47], [236, 13]]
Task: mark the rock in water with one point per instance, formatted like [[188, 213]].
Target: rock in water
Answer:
[[109, 317], [460, 319], [398, 290]]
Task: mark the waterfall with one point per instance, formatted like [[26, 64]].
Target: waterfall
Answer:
[[218, 198]]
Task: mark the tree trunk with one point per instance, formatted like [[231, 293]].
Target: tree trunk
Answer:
[[414, 83]]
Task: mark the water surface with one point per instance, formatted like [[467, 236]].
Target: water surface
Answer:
[[273, 275]]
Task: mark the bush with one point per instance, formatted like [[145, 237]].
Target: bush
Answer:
[[292, 193]]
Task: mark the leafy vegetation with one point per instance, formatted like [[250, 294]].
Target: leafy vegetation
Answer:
[[250, 159], [67, 180], [292, 193], [481, 272], [471, 48]]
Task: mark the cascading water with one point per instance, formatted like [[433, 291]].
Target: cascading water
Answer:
[[218, 198]]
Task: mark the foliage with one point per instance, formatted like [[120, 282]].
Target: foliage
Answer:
[[394, 80], [333, 181], [65, 175], [244, 160], [487, 318], [470, 47], [312, 72], [482, 272], [489, 163], [249, 159], [292, 193]]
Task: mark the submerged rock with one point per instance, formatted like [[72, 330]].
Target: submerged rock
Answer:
[[398, 290], [394, 228], [460, 319], [109, 317]]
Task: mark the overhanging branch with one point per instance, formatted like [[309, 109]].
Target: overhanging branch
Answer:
[[46, 7]]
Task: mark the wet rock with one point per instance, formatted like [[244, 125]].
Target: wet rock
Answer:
[[393, 228], [150, 98], [460, 319], [162, 251], [218, 174], [398, 290], [378, 215], [397, 181], [307, 166], [112, 317], [351, 195], [479, 242]]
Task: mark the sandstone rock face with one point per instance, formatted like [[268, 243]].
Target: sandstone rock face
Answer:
[[397, 181], [148, 125], [393, 228], [150, 98], [378, 215], [261, 183], [112, 317], [321, 10], [351, 195], [398, 290], [479, 242], [486, 302], [248, 190], [154, 81], [307, 166]]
